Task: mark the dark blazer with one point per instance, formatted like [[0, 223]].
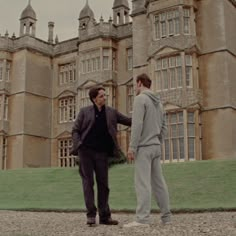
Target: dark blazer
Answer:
[[85, 120]]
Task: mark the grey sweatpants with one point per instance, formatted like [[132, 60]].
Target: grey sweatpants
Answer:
[[148, 179]]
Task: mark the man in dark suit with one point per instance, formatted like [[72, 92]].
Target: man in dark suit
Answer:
[[94, 139]]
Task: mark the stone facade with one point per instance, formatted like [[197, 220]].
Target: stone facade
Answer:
[[186, 46]]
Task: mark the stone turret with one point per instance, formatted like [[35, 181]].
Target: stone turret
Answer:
[[28, 21], [121, 12], [86, 15]]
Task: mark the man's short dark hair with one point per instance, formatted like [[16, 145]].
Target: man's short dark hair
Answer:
[[93, 92], [145, 80]]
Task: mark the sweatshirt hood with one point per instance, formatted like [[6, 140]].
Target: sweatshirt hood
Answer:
[[154, 97]]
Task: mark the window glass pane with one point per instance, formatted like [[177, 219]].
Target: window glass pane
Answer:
[[173, 118], [158, 64], [174, 131], [167, 150], [105, 62], [172, 78], [165, 79], [175, 149], [181, 130], [181, 148], [190, 116], [180, 116], [191, 131], [179, 76], [188, 76], [191, 147]]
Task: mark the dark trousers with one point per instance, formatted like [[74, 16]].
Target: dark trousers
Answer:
[[95, 162]]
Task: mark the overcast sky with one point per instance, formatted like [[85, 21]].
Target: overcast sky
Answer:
[[64, 13]]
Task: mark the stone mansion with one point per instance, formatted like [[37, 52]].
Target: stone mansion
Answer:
[[188, 47]]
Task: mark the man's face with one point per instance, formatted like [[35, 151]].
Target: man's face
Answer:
[[100, 100], [138, 87]]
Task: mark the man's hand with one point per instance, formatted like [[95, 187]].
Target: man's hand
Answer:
[[130, 156]]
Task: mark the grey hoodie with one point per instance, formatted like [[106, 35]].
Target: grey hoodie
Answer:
[[148, 121]]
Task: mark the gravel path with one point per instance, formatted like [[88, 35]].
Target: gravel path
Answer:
[[73, 224]]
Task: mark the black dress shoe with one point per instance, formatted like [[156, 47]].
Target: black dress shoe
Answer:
[[91, 221], [109, 221]]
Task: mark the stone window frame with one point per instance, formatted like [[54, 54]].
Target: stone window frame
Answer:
[[5, 70], [8, 71], [67, 109], [114, 60], [130, 97], [64, 145], [106, 58], [84, 99], [182, 68], [186, 20], [4, 100], [129, 56], [3, 140], [67, 73], [177, 143], [172, 22], [90, 61], [1, 70]]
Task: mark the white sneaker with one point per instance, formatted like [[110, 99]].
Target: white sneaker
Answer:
[[135, 224]]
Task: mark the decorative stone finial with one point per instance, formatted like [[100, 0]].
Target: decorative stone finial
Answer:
[[56, 39], [6, 34]]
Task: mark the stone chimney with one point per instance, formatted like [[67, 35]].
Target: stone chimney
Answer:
[[50, 32]]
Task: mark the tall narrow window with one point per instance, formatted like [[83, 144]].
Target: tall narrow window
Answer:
[[8, 69], [67, 109], [114, 61], [188, 70], [170, 16], [98, 63], [130, 95], [163, 24], [84, 98], [1, 70], [177, 22], [5, 112], [64, 158], [105, 59], [157, 27], [165, 79], [191, 136], [94, 64], [67, 73], [130, 59], [158, 84], [4, 152], [186, 21], [179, 71], [83, 67]]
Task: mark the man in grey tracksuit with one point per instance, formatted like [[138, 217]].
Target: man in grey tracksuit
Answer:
[[147, 133]]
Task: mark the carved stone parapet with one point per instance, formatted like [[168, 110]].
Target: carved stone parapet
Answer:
[[182, 98], [97, 77], [181, 42]]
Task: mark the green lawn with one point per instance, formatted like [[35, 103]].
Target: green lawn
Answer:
[[193, 186]]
